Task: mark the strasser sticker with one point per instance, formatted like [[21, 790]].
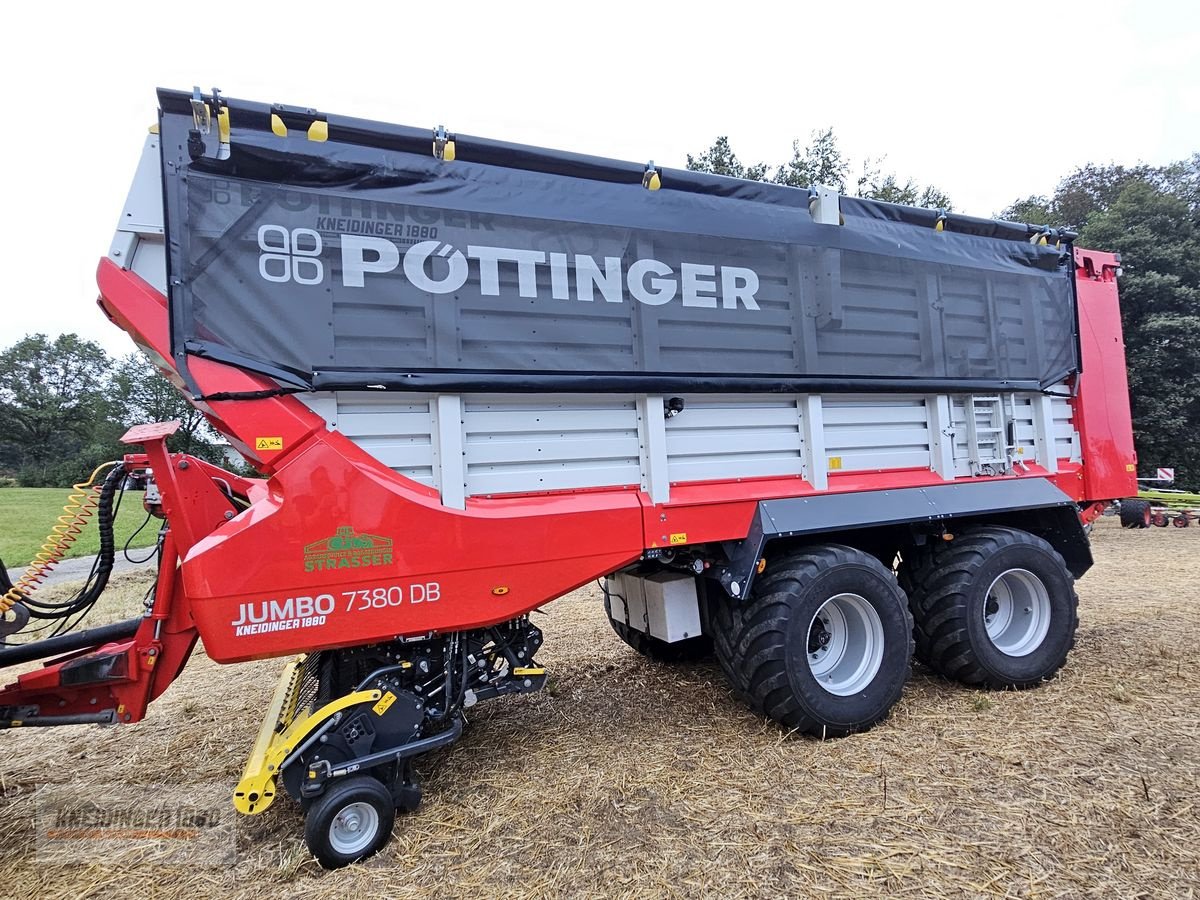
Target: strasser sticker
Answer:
[[347, 550]]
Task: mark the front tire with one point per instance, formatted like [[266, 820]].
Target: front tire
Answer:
[[822, 644], [352, 820], [995, 608]]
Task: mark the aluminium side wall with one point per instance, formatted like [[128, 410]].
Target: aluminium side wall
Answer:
[[492, 444]]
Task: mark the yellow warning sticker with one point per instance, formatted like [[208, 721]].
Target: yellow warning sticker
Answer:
[[835, 462], [268, 443], [679, 537], [384, 704], [1130, 467]]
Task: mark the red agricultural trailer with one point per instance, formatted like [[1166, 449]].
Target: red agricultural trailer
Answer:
[[793, 429]]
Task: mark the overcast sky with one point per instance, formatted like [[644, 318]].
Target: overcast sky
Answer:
[[988, 105]]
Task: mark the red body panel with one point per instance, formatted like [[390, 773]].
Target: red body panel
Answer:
[[435, 569], [1101, 406]]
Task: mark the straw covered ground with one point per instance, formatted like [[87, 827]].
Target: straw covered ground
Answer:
[[629, 778]]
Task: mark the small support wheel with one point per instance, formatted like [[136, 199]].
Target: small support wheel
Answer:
[[1183, 520], [1160, 520], [350, 821], [1135, 513]]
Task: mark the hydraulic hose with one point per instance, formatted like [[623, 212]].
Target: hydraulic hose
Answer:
[[86, 499]]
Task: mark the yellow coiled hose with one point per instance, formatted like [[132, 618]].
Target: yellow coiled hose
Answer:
[[80, 506]]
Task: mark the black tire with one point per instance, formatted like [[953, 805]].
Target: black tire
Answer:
[[953, 585], [356, 796], [763, 644], [724, 632], [1135, 513], [687, 650]]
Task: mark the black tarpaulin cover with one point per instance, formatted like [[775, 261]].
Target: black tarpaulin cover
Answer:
[[363, 260]]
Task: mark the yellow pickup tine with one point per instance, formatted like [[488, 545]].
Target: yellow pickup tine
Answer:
[[289, 682], [256, 790]]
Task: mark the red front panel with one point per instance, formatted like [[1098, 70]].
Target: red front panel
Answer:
[[343, 552]]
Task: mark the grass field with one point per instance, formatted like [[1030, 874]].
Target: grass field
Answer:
[[28, 514], [627, 778]]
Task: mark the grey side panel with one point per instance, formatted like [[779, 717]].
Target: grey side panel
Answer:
[[831, 513], [836, 512]]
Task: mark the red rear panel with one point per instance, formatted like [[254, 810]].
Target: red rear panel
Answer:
[[1102, 404]]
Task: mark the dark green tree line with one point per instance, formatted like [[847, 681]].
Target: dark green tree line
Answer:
[[1151, 216], [64, 404]]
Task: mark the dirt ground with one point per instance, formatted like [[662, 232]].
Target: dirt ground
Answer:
[[630, 778]]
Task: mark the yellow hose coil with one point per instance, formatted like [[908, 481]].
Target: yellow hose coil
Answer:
[[80, 506]]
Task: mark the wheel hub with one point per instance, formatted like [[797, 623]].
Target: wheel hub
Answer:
[[845, 644], [1016, 613], [353, 829], [819, 636]]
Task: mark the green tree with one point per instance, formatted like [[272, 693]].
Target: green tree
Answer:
[[721, 160], [54, 404], [1151, 216], [1157, 233], [821, 161], [142, 394], [879, 185], [1088, 190], [1033, 210]]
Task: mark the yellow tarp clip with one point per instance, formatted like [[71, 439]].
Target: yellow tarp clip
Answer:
[[651, 180], [318, 131], [941, 221], [443, 144]]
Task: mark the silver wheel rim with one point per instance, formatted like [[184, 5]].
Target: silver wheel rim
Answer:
[[845, 644], [353, 828], [1016, 612]]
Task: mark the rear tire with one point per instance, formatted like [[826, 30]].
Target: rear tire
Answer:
[[1135, 513], [823, 643], [352, 820], [995, 608], [687, 650]]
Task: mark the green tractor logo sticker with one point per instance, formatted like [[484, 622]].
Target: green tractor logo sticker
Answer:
[[347, 550]]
